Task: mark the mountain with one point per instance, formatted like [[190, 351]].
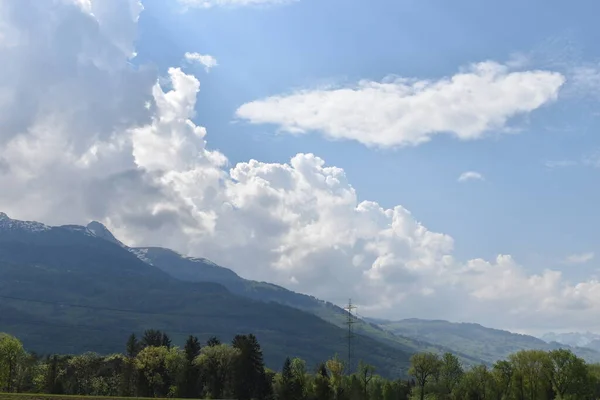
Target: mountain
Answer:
[[202, 270], [588, 339], [73, 289], [477, 341]]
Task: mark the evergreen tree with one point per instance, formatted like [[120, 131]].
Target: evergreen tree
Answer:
[[132, 347], [165, 341], [190, 385], [152, 338], [290, 388], [213, 341], [250, 378], [322, 385]]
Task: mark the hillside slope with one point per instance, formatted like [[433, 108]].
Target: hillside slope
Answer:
[[66, 289], [201, 270], [475, 340]]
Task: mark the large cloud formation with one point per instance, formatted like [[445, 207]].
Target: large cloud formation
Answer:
[[402, 112], [88, 136]]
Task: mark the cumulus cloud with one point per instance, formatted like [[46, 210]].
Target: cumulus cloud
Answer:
[[401, 111], [206, 60], [232, 3], [470, 176], [85, 145], [581, 258]]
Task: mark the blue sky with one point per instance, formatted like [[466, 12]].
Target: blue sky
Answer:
[[538, 214]]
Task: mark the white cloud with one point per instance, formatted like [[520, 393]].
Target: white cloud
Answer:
[[591, 159], [586, 79], [560, 164], [232, 3], [206, 60], [401, 112], [470, 176], [85, 146], [579, 258]]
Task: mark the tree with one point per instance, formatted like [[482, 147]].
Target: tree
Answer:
[[29, 374], [82, 371], [216, 366], [321, 384], [530, 374], [213, 341], [289, 388], [152, 338], [376, 388], [480, 382], [300, 376], [151, 362], [567, 373], [365, 373], [51, 382], [189, 386], [451, 372], [336, 372], [175, 361], [424, 366], [132, 347], [165, 341], [250, 379], [11, 354], [503, 375]]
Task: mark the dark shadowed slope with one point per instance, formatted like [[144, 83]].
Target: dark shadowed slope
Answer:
[[66, 289], [202, 270]]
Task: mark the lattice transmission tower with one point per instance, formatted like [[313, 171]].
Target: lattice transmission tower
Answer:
[[350, 321]]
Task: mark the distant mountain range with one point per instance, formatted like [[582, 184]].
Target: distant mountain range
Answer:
[[587, 339], [76, 288], [477, 341]]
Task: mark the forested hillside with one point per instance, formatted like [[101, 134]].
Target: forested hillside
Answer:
[[201, 270], [65, 290]]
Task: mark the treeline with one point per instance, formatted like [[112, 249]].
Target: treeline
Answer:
[[526, 375], [152, 367]]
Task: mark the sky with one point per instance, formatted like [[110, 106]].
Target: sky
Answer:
[[427, 158]]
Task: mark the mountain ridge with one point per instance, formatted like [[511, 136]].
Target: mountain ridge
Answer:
[[488, 344], [198, 269], [64, 287], [187, 270]]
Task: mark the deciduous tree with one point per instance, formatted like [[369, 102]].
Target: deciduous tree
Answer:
[[424, 367]]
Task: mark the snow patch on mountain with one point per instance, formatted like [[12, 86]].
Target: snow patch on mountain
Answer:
[[141, 254], [102, 232], [6, 224], [196, 259], [78, 228]]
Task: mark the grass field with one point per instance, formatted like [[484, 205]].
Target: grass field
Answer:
[[33, 396]]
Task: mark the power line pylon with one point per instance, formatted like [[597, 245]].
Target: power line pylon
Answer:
[[351, 320]]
